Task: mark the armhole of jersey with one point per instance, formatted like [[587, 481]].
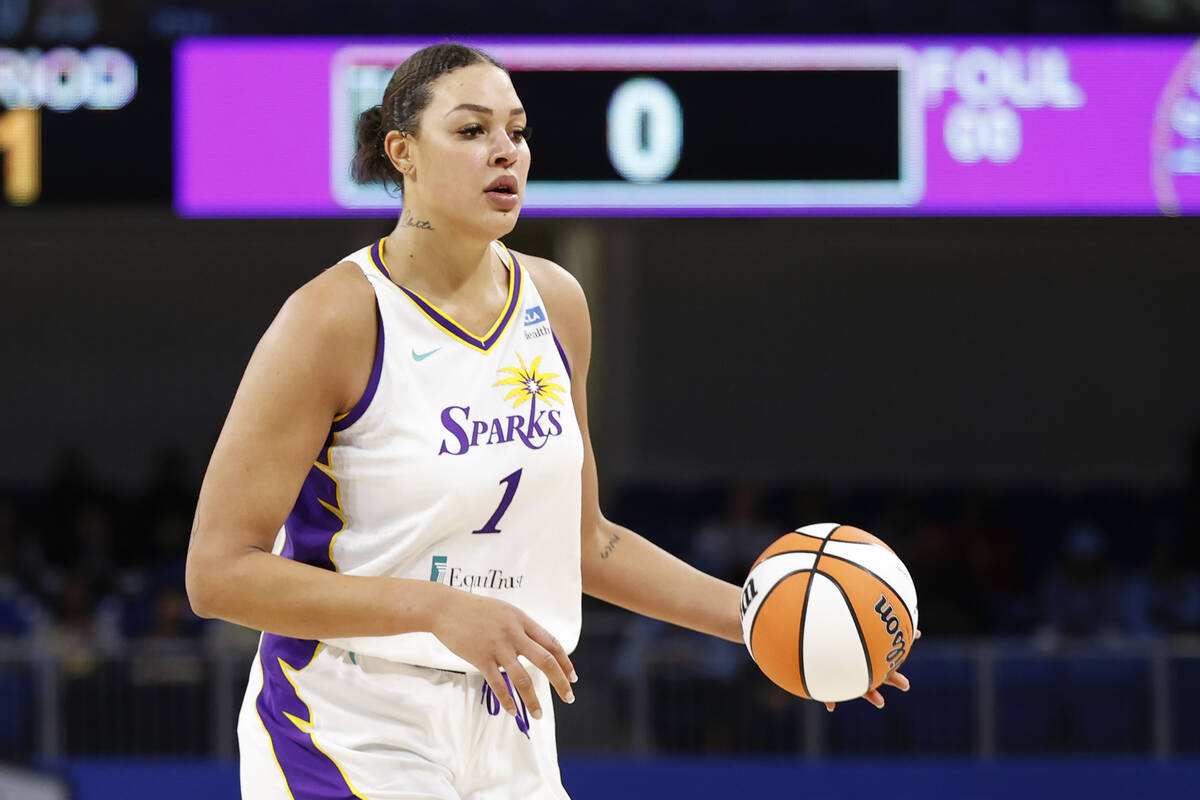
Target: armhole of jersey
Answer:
[[561, 353], [343, 421]]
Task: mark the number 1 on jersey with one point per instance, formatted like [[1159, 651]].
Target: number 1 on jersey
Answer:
[[511, 482]]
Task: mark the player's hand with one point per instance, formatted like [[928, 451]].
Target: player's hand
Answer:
[[895, 679], [489, 634]]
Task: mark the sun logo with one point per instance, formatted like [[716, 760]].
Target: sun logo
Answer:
[[530, 384]]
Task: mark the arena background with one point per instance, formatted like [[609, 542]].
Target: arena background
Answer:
[[1002, 384]]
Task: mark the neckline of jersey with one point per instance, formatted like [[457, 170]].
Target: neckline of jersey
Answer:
[[447, 323]]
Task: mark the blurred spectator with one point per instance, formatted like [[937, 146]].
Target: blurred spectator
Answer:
[[990, 559], [728, 545], [1079, 596], [1163, 599], [93, 559], [166, 510], [83, 632], [949, 599], [20, 613], [168, 654], [72, 488]]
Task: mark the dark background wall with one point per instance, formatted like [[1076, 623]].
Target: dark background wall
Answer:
[[915, 351]]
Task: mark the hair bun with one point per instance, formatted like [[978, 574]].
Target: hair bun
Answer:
[[369, 134]]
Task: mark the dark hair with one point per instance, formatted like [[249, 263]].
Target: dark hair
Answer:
[[404, 99]]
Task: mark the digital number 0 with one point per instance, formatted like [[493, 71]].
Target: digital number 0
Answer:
[[511, 482], [645, 130]]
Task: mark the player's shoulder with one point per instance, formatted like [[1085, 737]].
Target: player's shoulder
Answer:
[[558, 288], [336, 306], [566, 305]]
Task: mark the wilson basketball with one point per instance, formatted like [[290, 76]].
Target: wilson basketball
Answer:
[[828, 612]]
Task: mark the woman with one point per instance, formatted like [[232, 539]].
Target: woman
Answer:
[[429, 480]]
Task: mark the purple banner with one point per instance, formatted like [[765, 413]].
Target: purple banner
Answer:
[[987, 126]]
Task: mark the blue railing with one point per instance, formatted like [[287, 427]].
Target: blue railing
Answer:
[[648, 690]]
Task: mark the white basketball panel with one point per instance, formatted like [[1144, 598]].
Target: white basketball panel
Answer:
[[832, 652], [821, 530]]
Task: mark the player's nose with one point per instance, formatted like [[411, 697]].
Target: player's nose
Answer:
[[505, 152]]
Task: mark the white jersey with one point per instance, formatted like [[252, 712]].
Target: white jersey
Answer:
[[460, 464]]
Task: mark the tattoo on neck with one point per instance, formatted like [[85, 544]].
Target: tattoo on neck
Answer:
[[606, 551], [422, 224]]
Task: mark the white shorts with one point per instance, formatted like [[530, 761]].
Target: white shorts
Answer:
[[320, 723]]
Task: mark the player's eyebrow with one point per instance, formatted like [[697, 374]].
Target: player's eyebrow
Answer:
[[482, 109]]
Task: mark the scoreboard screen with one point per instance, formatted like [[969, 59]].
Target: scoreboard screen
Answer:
[[921, 126], [727, 126], [676, 128]]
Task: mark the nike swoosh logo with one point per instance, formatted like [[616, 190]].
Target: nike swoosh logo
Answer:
[[422, 356]]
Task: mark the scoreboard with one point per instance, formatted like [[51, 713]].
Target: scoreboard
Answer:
[[728, 126], [711, 126]]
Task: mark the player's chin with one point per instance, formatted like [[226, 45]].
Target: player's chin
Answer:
[[501, 220]]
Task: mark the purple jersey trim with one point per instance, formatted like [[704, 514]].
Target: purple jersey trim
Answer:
[[310, 773], [360, 408], [449, 325], [314, 522], [377, 260], [561, 353]]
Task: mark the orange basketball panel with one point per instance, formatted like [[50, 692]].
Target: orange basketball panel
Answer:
[[886, 625], [791, 543], [848, 533], [775, 637]]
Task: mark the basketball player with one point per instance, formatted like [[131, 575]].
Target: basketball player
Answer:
[[413, 426]]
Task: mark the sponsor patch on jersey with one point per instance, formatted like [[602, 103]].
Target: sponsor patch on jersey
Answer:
[[459, 578], [537, 332], [534, 315]]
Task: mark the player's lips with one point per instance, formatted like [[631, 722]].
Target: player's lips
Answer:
[[502, 192]]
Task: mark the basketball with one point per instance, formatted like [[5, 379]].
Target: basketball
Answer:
[[828, 612]]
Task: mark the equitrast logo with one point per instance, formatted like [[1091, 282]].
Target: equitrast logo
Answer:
[[458, 578], [533, 428], [439, 568]]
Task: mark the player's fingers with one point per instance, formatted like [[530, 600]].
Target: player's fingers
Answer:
[[874, 698], [544, 660], [548, 641], [917, 634], [523, 685], [899, 681], [495, 680], [830, 706]]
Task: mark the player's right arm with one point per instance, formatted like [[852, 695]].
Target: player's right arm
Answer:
[[312, 364], [303, 373]]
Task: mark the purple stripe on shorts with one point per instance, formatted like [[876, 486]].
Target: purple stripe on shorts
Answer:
[[311, 526], [561, 354], [368, 394], [310, 774]]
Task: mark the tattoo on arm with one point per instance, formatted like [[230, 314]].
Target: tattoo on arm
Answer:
[[608, 548], [422, 224]]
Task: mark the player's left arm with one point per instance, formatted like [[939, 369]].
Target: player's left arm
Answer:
[[619, 566]]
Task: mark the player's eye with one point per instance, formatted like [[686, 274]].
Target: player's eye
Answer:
[[525, 133], [471, 130]]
